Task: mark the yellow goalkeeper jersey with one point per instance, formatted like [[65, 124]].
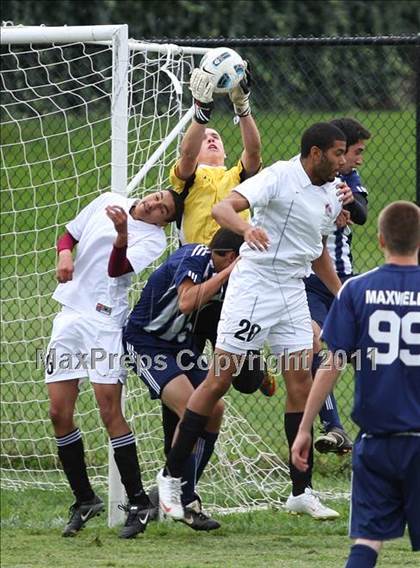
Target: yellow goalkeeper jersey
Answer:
[[206, 187]]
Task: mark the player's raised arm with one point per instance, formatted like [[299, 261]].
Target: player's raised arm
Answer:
[[202, 88], [251, 155], [226, 214]]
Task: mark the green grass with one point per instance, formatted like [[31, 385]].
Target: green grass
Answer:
[[43, 194], [32, 522]]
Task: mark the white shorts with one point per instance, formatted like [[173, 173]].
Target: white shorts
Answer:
[[256, 310], [82, 348]]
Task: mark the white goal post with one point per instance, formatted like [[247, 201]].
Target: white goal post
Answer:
[[85, 110]]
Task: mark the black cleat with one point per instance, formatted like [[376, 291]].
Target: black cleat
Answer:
[[80, 513], [137, 519], [335, 441], [196, 519]]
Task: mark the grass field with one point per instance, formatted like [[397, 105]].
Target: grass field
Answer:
[[32, 523], [43, 195]]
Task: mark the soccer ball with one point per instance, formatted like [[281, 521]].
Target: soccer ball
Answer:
[[226, 66]]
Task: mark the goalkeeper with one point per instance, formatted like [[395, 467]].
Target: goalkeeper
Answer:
[[202, 179]]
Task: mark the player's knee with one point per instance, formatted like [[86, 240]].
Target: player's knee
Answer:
[[110, 414], [218, 387], [219, 410], [60, 417]]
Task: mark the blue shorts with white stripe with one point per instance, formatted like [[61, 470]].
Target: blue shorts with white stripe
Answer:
[[157, 364]]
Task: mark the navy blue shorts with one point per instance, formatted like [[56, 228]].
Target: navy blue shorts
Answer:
[[319, 298], [157, 364], [386, 489]]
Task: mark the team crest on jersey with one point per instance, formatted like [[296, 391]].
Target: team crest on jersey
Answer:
[[328, 209]]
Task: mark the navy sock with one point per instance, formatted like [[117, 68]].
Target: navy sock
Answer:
[[190, 429], [329, 412], [72, 457], [169, 423], [300, 479], [361, 556], [204, 450], [189, 480], [125, 455]]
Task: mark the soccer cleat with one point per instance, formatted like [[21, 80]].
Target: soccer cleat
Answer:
[[268, 386], [80, 513], [137, 519], [308, 503], [334, 441], [170, 496], [196, 519]]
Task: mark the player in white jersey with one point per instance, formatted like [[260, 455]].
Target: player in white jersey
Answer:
[[116, 237], [294, 207]]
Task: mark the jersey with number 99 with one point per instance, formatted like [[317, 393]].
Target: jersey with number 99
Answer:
[[376, 317]]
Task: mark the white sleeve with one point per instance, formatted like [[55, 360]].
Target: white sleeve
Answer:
[[144, 249], [260, 189], [77, 225]]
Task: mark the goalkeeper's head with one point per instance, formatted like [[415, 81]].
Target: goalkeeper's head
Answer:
[[225, 247], [212, 151]]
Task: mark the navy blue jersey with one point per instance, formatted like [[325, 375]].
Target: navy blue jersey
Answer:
[[157, 311], [339, 242], [377, 317]]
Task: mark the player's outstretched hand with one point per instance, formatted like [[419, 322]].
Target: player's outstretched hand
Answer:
[[239, 95], [300, 450], [119, 217], [257, 239], [344, 193], [202, 86], [65, 267]]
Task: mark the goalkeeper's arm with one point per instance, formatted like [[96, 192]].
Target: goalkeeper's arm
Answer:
[[202, 88], [251, 155]]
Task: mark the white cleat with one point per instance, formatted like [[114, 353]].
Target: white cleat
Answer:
[[308, 503], [170, 496]]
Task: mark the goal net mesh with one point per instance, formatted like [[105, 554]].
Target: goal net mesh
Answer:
[[55, 159]]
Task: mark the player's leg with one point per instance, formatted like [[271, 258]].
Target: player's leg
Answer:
[[107, 376], [363, 553], [108, 397], [175, 396], [63, 389], [298, 381], [201, 405], [334, 438]]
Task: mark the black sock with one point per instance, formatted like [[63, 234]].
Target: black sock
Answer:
[[362, 556], [72, 457], [169, 423], [190, 429], [125, 455], [300, 479], [204, 451]]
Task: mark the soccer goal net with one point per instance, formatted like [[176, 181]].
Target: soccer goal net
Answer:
[[85, 110]]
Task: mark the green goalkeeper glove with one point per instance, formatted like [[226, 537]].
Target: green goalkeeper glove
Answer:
[[202, 87], [239, 95]]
